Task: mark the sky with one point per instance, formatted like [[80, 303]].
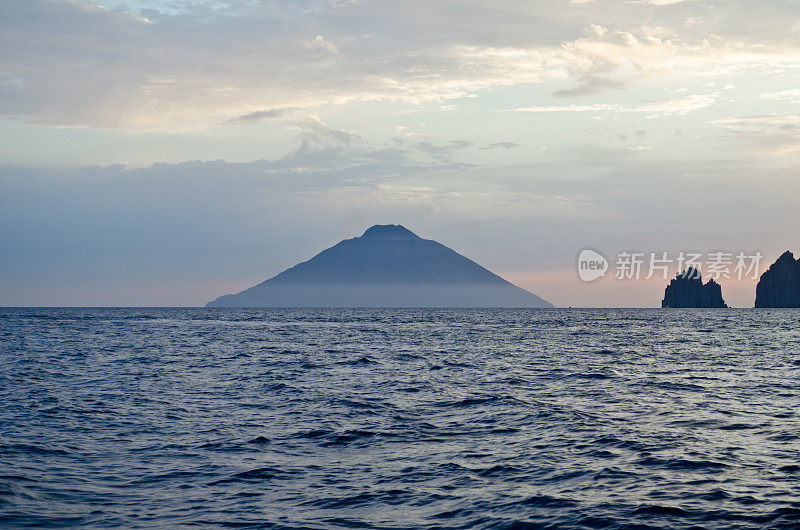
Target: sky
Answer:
[[168, 152]]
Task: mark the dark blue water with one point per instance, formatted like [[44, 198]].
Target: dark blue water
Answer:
[[400, 418]]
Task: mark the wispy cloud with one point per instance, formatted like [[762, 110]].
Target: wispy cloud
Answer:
[[660, 2], [319, 43], [679, 106], [199, 64], [761, 123], [792, 95], [313, 131], [569, 108], [503, 145], [266, 114]]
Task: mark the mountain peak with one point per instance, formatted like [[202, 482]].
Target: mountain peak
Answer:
[[388, 266], [393, 231], [691, 273]]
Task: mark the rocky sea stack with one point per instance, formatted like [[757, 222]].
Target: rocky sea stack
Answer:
[[388, 266], [688, 290], [779, 286]]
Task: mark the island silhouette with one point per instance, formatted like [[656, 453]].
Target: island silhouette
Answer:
[[779, 286], [388, 266], [688, 290]]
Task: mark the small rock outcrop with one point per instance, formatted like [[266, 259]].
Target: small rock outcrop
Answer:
[[779, 286], [688, 290]]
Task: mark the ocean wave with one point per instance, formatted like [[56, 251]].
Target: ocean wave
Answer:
[[398, 418]]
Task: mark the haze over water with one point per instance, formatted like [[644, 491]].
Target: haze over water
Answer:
[[399, 418]]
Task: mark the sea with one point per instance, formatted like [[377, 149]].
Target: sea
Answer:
[[399, 418]]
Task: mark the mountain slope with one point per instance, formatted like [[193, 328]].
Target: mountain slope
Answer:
[[388, 266]]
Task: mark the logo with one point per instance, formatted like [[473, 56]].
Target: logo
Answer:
[[630, 265], [591, 265]]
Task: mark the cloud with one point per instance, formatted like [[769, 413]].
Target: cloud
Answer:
[[677, 106], [588, 85], [762, 123], [442, 151], [503, 145], [266, 114], [662, 2], [438, 151], [313, 131], [599, 107], [771, 138], [196, 64], [321, 44], [608, 59], [792, 95]]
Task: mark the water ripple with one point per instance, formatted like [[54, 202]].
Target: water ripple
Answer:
[[506, 419]]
